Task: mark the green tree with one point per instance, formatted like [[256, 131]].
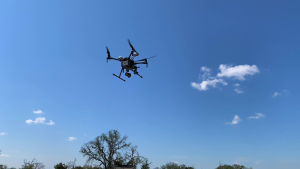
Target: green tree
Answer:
[[60, 166], [106, 151], [145, 164], [32, 165], [172, 165], [71, 164], [234, 166]]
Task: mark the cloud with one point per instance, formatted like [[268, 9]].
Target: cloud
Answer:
[[206, 73], [176, 162], [238, 91], [72, 138], [38, 112], [4, 155], [50, 123], [276, 94], [237, 72], [235, 120], [284, 92], [204, 84], [39, 120], [2, 134], [207, 80], [258, 115]]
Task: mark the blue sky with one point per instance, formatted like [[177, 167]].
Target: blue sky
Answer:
[[187, 108]]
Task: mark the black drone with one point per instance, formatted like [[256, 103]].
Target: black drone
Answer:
[[128, 63]]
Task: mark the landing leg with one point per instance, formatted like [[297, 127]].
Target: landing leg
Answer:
[[119, 75], [140, 75], [137, 73]]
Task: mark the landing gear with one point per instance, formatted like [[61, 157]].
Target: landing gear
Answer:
[[137, 73]]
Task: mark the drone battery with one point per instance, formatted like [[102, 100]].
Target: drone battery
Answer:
[[125, 63]]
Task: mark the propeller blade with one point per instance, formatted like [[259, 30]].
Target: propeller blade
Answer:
[[108, 53], [147, 58], [132, 48]]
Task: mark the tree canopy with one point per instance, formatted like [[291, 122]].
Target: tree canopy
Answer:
[[111, 149], [172, 165]]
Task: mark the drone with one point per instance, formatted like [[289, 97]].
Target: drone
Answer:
[[128, 63]]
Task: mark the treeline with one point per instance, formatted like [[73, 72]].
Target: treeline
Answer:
[[109, 150], [72, 165]]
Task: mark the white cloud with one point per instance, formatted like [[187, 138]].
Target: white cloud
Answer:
[[39, 120], [72, 138], [207, 80], [2, 134], [176, 162], [38, 112], [50, 123], [258, 115], [206, 73], [276, 94], [284, 92], [238, 91], [235, 120], [237, 72], [204, 84], [4, 155]]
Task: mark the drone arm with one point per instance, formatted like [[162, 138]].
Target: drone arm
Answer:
[[108, 58], [145, 62]]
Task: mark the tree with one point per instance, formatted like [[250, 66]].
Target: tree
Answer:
[[71, 164], [172, 165], [133, 157], [106, 151], [234, 166], [32, 165], [60, 166], [145, 164]]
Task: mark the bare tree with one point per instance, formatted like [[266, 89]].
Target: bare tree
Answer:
[[104, 148]]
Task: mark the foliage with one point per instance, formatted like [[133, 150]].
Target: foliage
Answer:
[[32, 165], [145, 164], [60, 166], [106, 149], [172, 165], [234, 166]]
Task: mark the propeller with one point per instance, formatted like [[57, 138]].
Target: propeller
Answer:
[[132, 48], [147, 58], [108, 54]]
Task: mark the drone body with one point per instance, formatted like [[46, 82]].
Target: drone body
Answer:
[[128, 63]]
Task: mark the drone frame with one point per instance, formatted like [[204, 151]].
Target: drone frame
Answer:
[[132, 55]]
